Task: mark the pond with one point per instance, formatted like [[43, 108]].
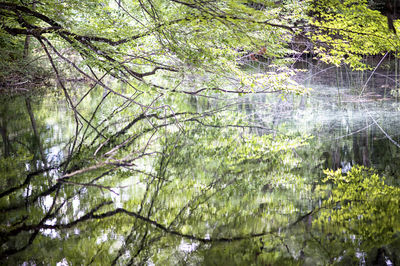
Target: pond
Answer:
[[200, 181]]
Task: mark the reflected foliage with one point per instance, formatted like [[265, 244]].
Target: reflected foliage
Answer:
[[361, 199], [162, 187], [212, 188], [363, 207]]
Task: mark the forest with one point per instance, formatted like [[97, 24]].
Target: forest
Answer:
[[199, 132]]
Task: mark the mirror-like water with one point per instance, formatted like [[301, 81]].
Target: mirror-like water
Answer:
[[242, 185]]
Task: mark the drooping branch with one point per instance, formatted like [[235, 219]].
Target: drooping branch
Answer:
[[71, 38]]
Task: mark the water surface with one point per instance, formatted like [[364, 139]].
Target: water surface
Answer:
[[244, 185]]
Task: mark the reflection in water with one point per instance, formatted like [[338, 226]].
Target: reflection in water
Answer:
[[128, 187]]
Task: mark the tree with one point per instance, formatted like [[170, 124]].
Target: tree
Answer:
[[135, 41], [151, 120], [346, 31]]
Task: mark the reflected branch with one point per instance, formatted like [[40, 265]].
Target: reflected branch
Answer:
[[28, 180]]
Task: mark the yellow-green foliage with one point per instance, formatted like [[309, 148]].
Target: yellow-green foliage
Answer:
[[362, 204], [348, 30]]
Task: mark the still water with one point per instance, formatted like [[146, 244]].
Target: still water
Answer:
[[112, 184]]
